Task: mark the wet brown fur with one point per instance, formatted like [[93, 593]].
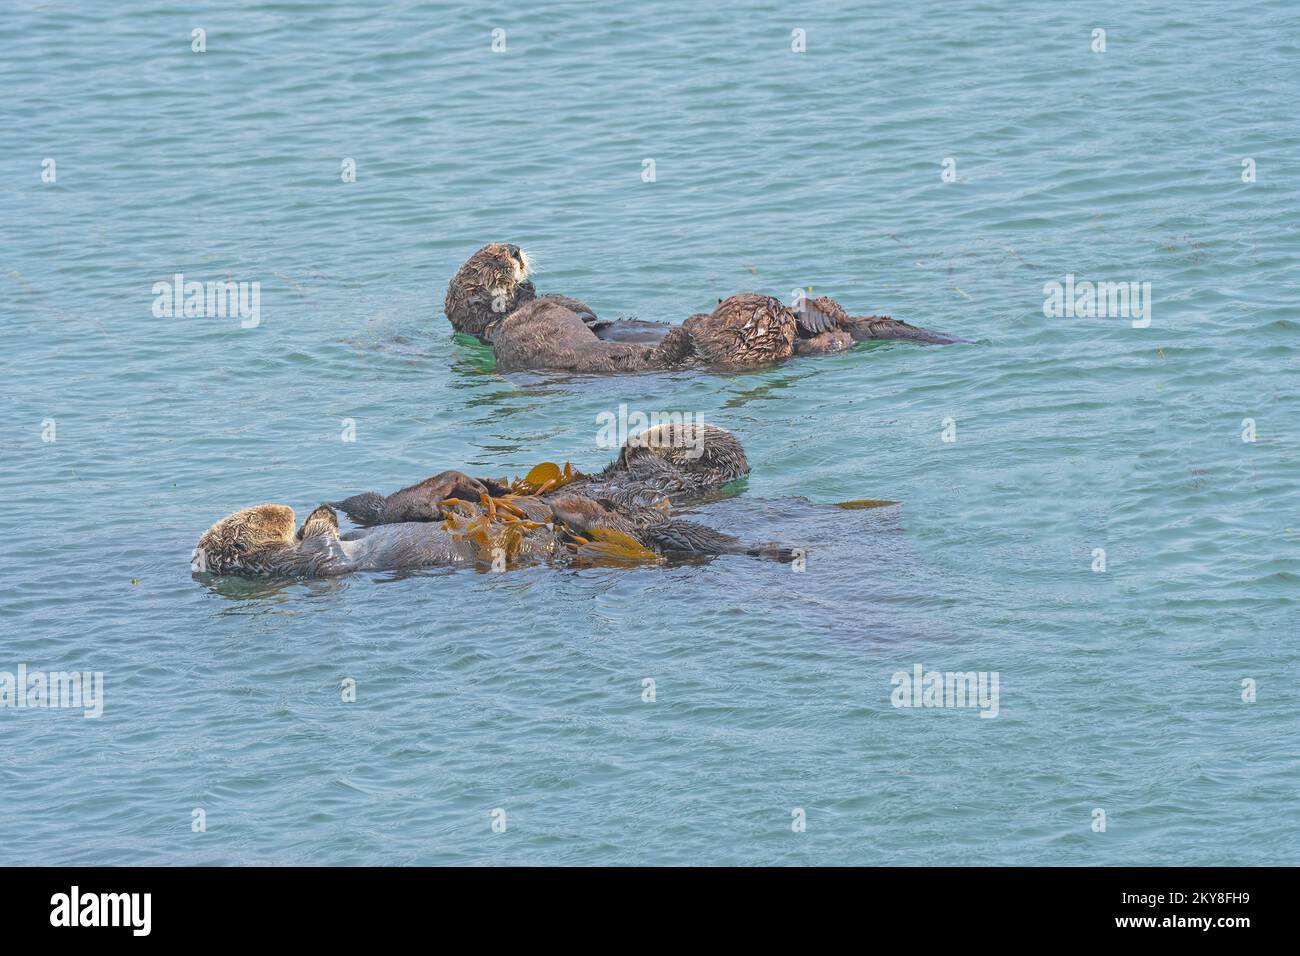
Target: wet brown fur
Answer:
[[491, 297], [256, 540], [546, 335], [744, 331], [491, 284]]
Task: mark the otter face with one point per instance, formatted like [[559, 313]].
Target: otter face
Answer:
[[508, 264], [240, 541], [670, 439], [713, 453], [578, 513], [523, 263], [490, 285]]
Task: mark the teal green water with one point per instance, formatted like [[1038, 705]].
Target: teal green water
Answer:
[[1120, 690]]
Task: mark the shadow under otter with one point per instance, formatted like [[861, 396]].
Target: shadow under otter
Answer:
[[491, 297], [623, 514]]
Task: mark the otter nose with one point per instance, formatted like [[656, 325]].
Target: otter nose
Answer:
[[514, 250]]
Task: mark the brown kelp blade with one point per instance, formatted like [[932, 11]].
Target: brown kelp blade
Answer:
[[545, 477], [607, 544], [860, 503], [541, 474]]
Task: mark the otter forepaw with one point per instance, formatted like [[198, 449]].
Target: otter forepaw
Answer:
[[827, 343]]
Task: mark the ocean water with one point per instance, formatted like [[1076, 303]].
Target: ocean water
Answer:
[[1172, 447]]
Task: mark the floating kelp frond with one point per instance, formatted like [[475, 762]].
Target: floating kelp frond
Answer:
[[860, 503], [607, 546], [544, 478], [498, 529]]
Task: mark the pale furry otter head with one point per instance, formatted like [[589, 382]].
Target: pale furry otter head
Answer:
[[247, 541], [490, 285], [619, 511], [744, 330], [701, 453], [582, 515]]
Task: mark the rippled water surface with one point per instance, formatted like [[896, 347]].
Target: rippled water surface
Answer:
[[1120, 690]]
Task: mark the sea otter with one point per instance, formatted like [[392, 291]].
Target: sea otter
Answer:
[[677, 460], [623, 512], [494, 282], [492, 297], [261, 542], [671, 462]]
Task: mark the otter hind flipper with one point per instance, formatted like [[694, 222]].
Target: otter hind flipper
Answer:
[[322, 523], [813, 320], [419, 502], [496, 487], [365, 509]]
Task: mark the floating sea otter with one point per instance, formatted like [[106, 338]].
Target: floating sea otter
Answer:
[[492, 298], [623, 513]]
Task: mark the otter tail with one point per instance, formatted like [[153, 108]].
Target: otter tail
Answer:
[[689, 538], [882, 327], [364, 509], [774, 552]]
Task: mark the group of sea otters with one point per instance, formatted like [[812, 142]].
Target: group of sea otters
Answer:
[[626, 513]]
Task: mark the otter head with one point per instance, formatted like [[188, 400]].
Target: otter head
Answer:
[[490, 285], [700, 453], [578, 513], [583, 515], [247, 541], [744, 331], [509, 263]]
